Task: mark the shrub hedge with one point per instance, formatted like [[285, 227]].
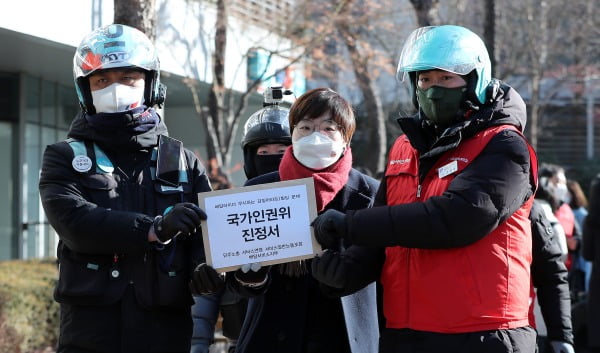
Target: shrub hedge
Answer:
[[29, 316]]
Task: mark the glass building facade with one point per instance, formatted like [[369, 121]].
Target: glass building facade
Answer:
[[38, 103], [36, 113]]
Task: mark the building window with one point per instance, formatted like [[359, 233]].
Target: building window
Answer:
[[49, 110], [8, 230], [9, 117]]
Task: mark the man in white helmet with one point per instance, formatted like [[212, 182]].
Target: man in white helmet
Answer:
[[122, 197]]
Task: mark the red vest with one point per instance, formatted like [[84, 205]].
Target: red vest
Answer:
[[482, 286]]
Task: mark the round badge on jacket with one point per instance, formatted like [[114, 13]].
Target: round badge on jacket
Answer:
[[82, 163]]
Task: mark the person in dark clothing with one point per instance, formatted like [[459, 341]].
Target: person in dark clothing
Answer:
[[549, 277], [582, 269], [556, 178], [591, 252], [453, 236], [122, 197], [288, 310], [266, 136]]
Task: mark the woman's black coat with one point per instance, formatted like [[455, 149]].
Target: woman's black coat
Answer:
[[293, 315]]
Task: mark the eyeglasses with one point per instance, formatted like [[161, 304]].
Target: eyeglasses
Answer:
[[326, 127]]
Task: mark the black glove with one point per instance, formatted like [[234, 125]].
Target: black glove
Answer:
[[329, 269], [182, 218], [329, 226], [252, 275], [205, 280]]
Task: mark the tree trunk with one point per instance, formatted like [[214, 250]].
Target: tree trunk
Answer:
[[140, 14], [489, 32], [538, 54], [215, 145], [377, 141], [534, 109], [426, 11]]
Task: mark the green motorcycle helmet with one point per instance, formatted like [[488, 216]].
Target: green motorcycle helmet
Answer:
[[450, 48]]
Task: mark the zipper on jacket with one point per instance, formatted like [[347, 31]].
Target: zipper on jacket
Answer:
[[114, 271], [419, 191]]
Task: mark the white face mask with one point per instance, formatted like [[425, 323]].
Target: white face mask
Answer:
[[561, 192], [117, 98], [317, 151]]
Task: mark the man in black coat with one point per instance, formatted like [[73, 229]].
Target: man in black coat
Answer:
[[122, 197]]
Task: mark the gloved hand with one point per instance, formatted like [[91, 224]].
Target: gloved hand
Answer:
[[205, 280], [252, 275], [329, 226], [561, 347], [182, 218], [329, 269]]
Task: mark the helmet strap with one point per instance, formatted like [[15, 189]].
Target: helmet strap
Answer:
[[88, 103], [471, 101], [413, 86], [154, 91]]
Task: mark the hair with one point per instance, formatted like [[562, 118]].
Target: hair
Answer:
[[550, 170], [578, 198], [545, 191], [319, 101], [546, 187]]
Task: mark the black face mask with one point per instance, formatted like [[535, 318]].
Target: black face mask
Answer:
[[266, 163], [441, 105]]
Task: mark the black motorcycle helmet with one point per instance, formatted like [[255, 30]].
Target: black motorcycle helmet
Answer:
[[268, 125]]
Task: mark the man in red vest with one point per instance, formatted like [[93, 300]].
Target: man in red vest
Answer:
[[451, 238]]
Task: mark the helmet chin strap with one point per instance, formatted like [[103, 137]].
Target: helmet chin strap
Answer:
[[467, 103], [470, 101], [84, 87]]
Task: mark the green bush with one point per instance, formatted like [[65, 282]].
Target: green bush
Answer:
[[29, 316]]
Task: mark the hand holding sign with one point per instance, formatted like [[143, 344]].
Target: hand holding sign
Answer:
[[205, 280], [252, 275], [330, 269], [182, 218], [329, 227]]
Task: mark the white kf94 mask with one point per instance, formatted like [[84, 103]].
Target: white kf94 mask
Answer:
[[318, 151], [117, 98]]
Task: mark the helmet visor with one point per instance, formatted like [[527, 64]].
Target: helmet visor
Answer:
[[271, 114]]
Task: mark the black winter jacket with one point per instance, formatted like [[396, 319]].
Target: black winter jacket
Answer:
[[102, 220], [470, 208], [292, 314]]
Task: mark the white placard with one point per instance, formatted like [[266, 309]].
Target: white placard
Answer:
[[267, 223]]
